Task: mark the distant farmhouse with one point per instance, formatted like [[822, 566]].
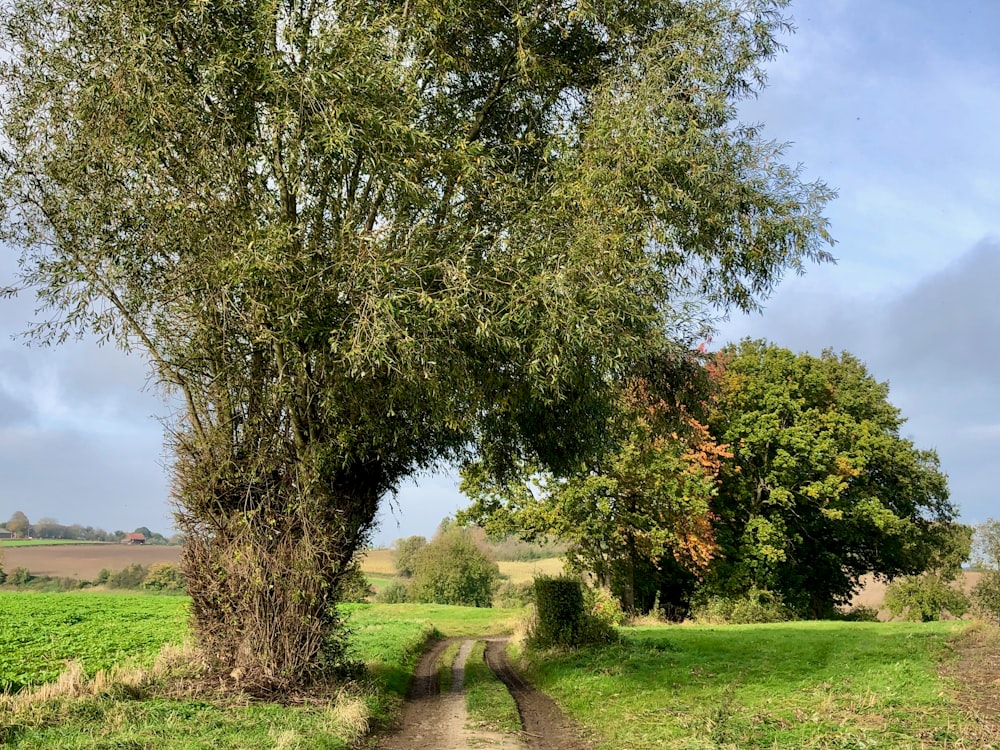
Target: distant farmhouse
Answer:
[[134, 539], [4, 534]]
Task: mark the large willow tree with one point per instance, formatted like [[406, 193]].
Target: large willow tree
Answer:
[[359, 237]]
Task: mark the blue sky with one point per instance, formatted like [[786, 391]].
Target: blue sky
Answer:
[[894, 104]]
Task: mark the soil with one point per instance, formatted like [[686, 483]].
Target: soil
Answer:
[[975, 670], [85, 561], [432, 721]]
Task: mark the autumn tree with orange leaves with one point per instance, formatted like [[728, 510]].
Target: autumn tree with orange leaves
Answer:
[[638, 517]]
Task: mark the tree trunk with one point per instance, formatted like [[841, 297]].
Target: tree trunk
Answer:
[[263, 558]]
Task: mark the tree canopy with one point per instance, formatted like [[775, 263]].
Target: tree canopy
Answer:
[[822, 488], [359, 238], [637, 515], [18, 523]]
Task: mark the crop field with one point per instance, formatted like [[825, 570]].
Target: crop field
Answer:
[[5, 543], [83, 561], [40, 632]]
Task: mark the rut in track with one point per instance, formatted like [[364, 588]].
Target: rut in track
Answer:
[[432, 721]]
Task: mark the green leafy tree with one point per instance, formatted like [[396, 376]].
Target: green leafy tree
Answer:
[[451, 569], [405, 553], [821, 489], [637, 516], [18, 524], [986, 545], [986, 556], [924, 598], [355, 240]]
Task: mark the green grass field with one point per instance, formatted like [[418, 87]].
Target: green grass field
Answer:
[[39, 633], [790, 685], [795, 685]]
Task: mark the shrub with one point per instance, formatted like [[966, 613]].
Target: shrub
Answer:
[[514, 595], [394, 592], [354, 587], [128, 578], [924, 598], [559, 611], [562, 618], [756, 606], [860, 613], [20, 577], [451, 569], [163, 577], [605, 606], [102, 577], [986, 596]]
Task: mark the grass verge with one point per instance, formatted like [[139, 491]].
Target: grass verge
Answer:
[[789, 685]]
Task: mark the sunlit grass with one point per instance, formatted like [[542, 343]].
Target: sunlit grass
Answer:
[[790, 685]]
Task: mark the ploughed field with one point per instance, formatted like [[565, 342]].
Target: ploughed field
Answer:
[[84, 561]]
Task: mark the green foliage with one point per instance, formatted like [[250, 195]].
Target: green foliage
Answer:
[[451, 569], [924, 598], [18, 523], [986, 596], [986, 544], [859, 613], [405, 553], [394, 592], [637, 515], [512, 549], [19, 577], [986, 555], [563, 619], [354, 586], [102, 576], [39, 632], [559, 613], [754, 607], [510, 594], [355, 244], [163, 577], [131, 577], [606, 608], [822, 488]]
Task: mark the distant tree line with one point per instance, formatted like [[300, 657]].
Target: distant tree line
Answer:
[[49, 528]]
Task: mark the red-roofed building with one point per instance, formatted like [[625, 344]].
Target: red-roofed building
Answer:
[[134, 539]]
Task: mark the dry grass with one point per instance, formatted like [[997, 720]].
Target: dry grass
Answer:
[[380, 561], [172, 661], [524, 572]]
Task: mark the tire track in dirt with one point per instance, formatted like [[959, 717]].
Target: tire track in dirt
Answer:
[[432, 721], [546, 727]]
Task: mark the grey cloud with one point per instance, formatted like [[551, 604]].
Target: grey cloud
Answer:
[[112, 484], [944, 331], [937, 344]]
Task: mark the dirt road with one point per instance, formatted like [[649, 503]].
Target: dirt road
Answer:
[[432, 721]]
